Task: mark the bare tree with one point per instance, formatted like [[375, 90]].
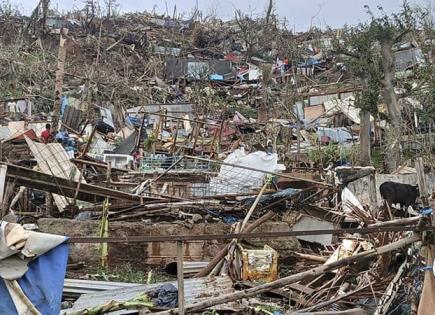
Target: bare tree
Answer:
[[388, 31], [44, 6], [358, 45], [112, 7]]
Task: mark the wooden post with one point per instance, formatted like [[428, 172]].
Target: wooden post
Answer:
[[196, 131], [372, 193], [109, 173], [139, 136], [364, 136], [180, 277], [254, 205], [174, 146], [3, 182], [299, 139], [104, 232], [49, 204], [59, 78], [88, 144], [422, 185]]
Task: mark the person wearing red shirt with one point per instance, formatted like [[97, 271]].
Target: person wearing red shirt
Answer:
[[46, 135]]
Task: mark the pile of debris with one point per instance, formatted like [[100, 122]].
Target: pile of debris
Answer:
[[170, 145]]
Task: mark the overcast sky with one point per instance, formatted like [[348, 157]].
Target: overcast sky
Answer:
[[300, 13]]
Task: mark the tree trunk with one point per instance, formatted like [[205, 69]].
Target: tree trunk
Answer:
[[262, 109], [394, 132], [44, 4], [364, 138], [269, 11]]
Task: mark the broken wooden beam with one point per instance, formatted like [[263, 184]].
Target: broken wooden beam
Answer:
[[61, 186], [315, 258]]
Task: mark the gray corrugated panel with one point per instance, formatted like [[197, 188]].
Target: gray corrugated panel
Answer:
[[127, 146], [194, 266], [175, 109], [194, 290], [75, 288]]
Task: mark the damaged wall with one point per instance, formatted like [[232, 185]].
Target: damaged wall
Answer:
[[152, 253], [359, 187]]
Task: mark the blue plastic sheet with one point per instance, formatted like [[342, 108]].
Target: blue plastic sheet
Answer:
[[42, 283], [426, 211], [63, 105]]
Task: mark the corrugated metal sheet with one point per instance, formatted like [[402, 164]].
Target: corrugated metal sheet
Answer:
[[72, 117], [177, 110], [197, 69], [407, 58], [75, 288], [195, 290], [128, 145], [320, 99]]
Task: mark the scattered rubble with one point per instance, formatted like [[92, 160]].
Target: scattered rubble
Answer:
[[227, 155]]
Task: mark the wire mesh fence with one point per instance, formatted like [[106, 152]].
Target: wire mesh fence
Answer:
[[161, 162], [216, 179]]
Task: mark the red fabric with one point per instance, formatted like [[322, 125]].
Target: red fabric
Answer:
[[45, 135]]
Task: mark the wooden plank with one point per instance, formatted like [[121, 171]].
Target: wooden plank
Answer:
[[60, 72], [422, 185], [3, 171], [180, 277], [313, 112]]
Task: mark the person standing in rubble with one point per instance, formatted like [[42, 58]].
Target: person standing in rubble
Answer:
[[47, 134], [137, 156], [286, 64]]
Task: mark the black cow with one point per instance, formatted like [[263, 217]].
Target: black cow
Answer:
[[403, 194]]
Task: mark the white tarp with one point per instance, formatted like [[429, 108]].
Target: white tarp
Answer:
[[19, 246], [236, 180], [347, 198], [338, 135]]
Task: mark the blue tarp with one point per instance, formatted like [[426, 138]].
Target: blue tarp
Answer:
[[42, 283], [63, 105], [216, 77], [310, 62]]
